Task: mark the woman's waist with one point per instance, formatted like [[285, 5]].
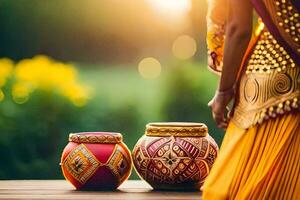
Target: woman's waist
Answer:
[[265, 94]]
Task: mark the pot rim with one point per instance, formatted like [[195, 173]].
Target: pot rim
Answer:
[[176, 124], [178, 129], [96, 137]]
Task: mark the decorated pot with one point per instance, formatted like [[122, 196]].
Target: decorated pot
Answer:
[[175, 156], [96, 160]]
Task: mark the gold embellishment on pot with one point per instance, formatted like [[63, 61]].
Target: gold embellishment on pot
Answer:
[[95, 138], [176, 129]]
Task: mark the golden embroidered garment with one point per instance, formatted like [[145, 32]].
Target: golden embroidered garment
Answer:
[[259, 157], [270, 85]]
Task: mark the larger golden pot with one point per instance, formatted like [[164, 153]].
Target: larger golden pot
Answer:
[[175, 156]]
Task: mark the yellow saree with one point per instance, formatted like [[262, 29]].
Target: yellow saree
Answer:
[[260, 155], [262, 162]]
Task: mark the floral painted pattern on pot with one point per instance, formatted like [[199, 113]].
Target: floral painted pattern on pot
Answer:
[[175, 161]]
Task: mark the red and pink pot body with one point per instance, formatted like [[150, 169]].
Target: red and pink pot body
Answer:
[[96, 161]]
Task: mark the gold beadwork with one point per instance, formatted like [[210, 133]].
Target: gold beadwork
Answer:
[[267, 59], [287, 106], [295, 103], [287, 18]]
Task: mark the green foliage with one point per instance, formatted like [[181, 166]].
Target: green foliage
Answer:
[[34, 134]]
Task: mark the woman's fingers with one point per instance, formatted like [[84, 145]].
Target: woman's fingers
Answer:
[[220, 120], [223, 125], [219, 108], [218, 115]]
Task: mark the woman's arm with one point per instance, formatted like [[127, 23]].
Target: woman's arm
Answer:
[[238, 34]]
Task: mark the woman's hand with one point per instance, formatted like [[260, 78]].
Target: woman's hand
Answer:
[[219, 109]]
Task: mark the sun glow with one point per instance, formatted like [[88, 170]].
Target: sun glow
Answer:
[[173, 7]]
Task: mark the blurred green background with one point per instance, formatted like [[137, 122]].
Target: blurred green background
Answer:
[[110, 65]]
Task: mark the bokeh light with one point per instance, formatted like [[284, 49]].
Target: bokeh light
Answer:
[[149, 68], [184, 47]]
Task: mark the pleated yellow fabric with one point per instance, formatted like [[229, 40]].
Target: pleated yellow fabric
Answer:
[[262, 162]]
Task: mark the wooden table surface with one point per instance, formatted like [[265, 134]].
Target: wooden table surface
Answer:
[[61, 189]]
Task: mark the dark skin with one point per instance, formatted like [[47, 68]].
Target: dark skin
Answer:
[[238, 35]]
